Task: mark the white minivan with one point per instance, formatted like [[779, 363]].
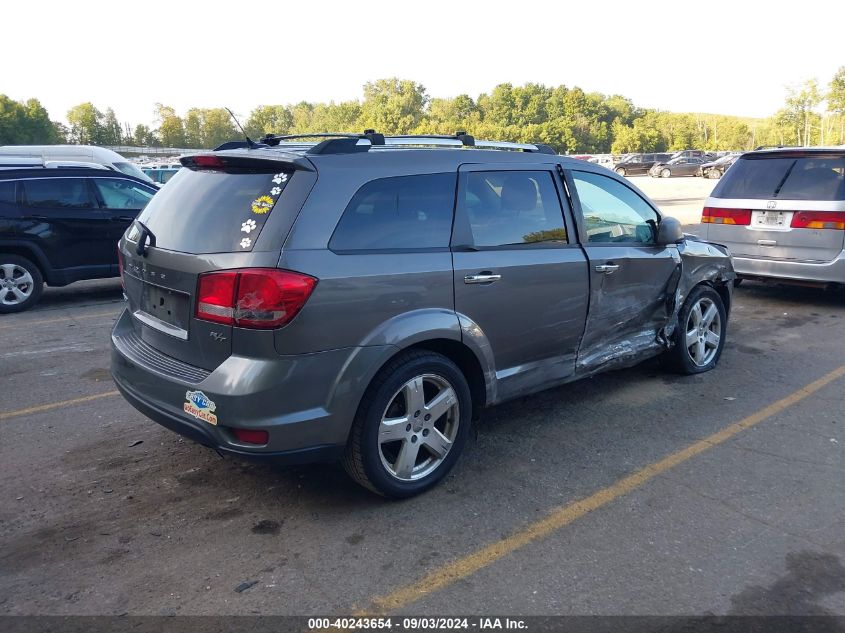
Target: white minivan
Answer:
[[77, 153]]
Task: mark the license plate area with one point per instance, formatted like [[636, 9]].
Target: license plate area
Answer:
[[169, 307], [771, 220]]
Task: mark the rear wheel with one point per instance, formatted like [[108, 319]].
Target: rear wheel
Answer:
[[411, 426], [665, 173], [700, 334], [21, 284], [715, 174]]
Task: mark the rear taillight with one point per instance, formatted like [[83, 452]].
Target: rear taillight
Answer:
[[716, 215], [248, 436], [818, 220], [262, 298]]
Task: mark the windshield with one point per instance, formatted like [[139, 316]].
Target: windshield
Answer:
[[132, 170], [786, 177]]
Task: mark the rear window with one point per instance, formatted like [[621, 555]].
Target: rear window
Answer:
[[212, 211], [400, 213], [786, 177]]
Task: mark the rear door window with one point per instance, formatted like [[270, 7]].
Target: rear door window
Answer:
[[58, 193], [785, 177], [399, 213], [7, 192], [512, 207], [207, 211]]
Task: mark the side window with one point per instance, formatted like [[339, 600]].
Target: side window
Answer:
[[405, 212], [122, 194], [64, 193], [613, 213], [7, 192], [512, 207]]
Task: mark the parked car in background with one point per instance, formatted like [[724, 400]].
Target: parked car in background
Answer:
[[717, 168], [606, 160], [782, 214], [366, 297], [75, 153], [639, 164], [676, 167], [160, 175], [60, 225], [694, 153]]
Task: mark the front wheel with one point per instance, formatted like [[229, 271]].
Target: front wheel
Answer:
[[621, 171], [700, 334], [665, 173], [411, 426], [21, 284]]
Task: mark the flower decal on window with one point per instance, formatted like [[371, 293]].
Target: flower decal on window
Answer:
[[249, 226], [262, 205], [246, 242], [275, 191], [280, 178]]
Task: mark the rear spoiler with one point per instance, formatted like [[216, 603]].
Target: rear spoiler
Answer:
[[247, 162]]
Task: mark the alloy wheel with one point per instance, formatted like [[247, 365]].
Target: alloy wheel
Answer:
[[16, 284], [418, 427], [703, 331]]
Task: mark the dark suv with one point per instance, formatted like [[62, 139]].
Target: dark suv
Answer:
[[639, 164], [366, 297], [61, 225]]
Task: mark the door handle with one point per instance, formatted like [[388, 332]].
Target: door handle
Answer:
[[482, 278], [122, 218], [767, 242], [607, 269]]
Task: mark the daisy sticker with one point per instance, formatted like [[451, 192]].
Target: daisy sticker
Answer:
[[248, 226], [280, 178], [262, 205], [275, 191], [246, 242]]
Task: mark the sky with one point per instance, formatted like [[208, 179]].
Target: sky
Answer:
[[727, 57]]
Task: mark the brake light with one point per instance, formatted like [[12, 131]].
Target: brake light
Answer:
[[248, 436], [261, 298], [715, 215], [207, 162], [818, 220]]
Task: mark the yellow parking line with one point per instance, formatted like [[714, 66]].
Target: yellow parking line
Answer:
[[22, 323], [564, 515], [56, 405]]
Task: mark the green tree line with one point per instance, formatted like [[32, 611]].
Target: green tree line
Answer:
[[568, 119]]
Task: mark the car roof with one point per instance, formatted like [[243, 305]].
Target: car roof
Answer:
[[72, 172], [792, 151]]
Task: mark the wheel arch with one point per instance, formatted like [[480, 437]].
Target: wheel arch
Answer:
[[32, 253]]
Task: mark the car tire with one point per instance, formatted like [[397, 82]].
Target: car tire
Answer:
[[419, 378], [621, 171], [714, 174], [665, 173], [21, 284], [690, 358]]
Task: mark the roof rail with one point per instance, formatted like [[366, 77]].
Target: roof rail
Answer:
[[345, 143]]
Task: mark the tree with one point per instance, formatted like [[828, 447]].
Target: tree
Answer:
[[393, 106], [171, 129], [86, 124], [836, 100], [143, 136], [111, 133], [800, 103], [269, 119], [25, 123]]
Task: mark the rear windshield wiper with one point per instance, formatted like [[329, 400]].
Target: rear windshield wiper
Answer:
[[146, 234], [783, 180]]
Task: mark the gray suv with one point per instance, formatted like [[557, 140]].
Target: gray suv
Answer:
[[364, 298]]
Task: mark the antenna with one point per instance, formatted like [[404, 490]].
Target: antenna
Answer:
[[249, 142]]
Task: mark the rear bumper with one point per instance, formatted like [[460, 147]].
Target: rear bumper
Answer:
[[790, 270], [306, 402]]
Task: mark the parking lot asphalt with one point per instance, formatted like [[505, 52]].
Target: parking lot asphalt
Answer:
[[635, 492]]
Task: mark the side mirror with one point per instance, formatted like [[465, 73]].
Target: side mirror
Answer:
[[669, 231]]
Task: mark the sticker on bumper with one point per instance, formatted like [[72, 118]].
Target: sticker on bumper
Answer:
[[200, 406]]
